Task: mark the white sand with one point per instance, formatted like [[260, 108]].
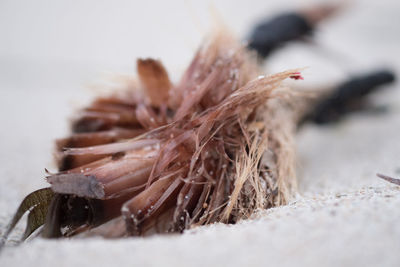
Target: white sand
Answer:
[[343, 215]]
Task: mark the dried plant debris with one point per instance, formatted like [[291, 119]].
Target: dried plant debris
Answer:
[[273, 33], [161, 157], [347, 97], [392, 180], [36, 204]]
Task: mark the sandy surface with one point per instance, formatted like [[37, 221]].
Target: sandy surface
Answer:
[[342, 216]]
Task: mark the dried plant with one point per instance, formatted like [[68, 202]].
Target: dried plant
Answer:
[[159, 157], [392, 180]]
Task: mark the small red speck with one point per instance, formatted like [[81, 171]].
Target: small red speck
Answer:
[[296, 76]]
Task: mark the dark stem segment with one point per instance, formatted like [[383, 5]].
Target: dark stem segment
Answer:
[[69, 213], [389, 179], [273, 33], [348, 97]]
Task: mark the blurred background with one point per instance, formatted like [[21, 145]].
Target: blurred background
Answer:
[[46, 42], [55, 55]]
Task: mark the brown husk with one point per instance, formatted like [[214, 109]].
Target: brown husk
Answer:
[[216, 147]]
